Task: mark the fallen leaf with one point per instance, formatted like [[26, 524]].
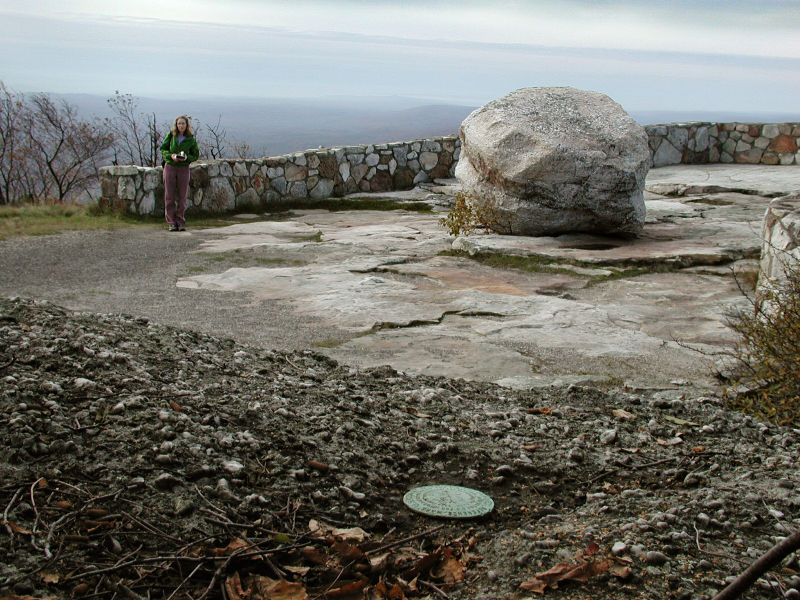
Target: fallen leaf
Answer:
[[236, 544], [449, 568], [319, 466], [311, 554], [530, 448], [699, 449], [352, 589], [621, 571], [301, 571], [425, 563], [353, 534], [63, 504], [234, 589], [586, 568], [42, 483], [670, 442], [381, 592], [348, 551], [631, 450], [540, 410], [264, 588], [175, 406], [622, 414], [50, 577], [379, 563], [16, 528]]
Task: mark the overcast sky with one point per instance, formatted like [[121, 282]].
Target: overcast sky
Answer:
[[680, 55]]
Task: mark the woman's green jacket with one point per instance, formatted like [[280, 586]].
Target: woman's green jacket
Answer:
[[171, 146]]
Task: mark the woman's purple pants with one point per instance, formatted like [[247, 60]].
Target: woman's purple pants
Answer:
[[176, 188]]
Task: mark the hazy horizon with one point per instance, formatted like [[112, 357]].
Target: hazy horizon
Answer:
[[729, 55], [284, 125]]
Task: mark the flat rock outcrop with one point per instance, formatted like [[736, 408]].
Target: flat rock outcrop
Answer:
[[556, 160]]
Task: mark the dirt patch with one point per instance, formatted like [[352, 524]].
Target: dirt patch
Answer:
[[145, 461]]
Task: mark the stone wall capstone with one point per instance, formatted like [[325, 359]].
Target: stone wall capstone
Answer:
[[249, 184]]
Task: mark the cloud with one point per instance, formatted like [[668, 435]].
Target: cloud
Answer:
[[148, 54]]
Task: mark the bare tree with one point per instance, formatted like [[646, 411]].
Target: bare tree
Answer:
[[11, 160], [65, 149], [138, 136], [47, 152], [216, 139]]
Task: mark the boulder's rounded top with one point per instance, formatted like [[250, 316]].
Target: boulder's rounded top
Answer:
[[556, 113]]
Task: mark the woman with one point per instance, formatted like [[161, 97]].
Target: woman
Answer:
[[179, 150]]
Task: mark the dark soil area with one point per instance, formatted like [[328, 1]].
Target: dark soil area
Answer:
[[141, 461]]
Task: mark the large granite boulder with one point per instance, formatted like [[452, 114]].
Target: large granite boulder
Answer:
[[556, 159]]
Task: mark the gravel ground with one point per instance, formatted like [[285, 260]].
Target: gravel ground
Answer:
[[143, 461]]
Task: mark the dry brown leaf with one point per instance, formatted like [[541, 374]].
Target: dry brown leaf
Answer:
[[381, 592], [379, 562], [16, 528], [631, 450], [264, 588], [234, 589], [670, 442], [348, 551], [699, 449], [540, 410], [311, 554], [353, 534], [621, 571], [586, 568], [319, 466], [351, 590], [236, 544], [301, 571], [425, 563], [50, 577], [63, 504], [622, 414], [175, 406], [449, 568]]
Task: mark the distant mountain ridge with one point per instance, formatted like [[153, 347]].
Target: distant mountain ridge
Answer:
[[273, 126]]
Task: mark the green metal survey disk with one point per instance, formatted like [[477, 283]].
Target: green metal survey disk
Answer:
[[450, 501]]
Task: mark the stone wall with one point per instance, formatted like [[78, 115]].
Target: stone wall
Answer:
[[250, 184], [743, 143]]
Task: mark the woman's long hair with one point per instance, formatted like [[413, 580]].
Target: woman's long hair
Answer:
[[188, 126]]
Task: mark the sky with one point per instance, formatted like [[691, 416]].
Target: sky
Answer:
[[647, 55]]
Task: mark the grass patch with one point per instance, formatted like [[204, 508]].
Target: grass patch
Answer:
[[48, 219], [328, 343], [314, 237], [545, 264]]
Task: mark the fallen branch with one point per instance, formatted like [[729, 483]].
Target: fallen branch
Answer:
[[772, 558]]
